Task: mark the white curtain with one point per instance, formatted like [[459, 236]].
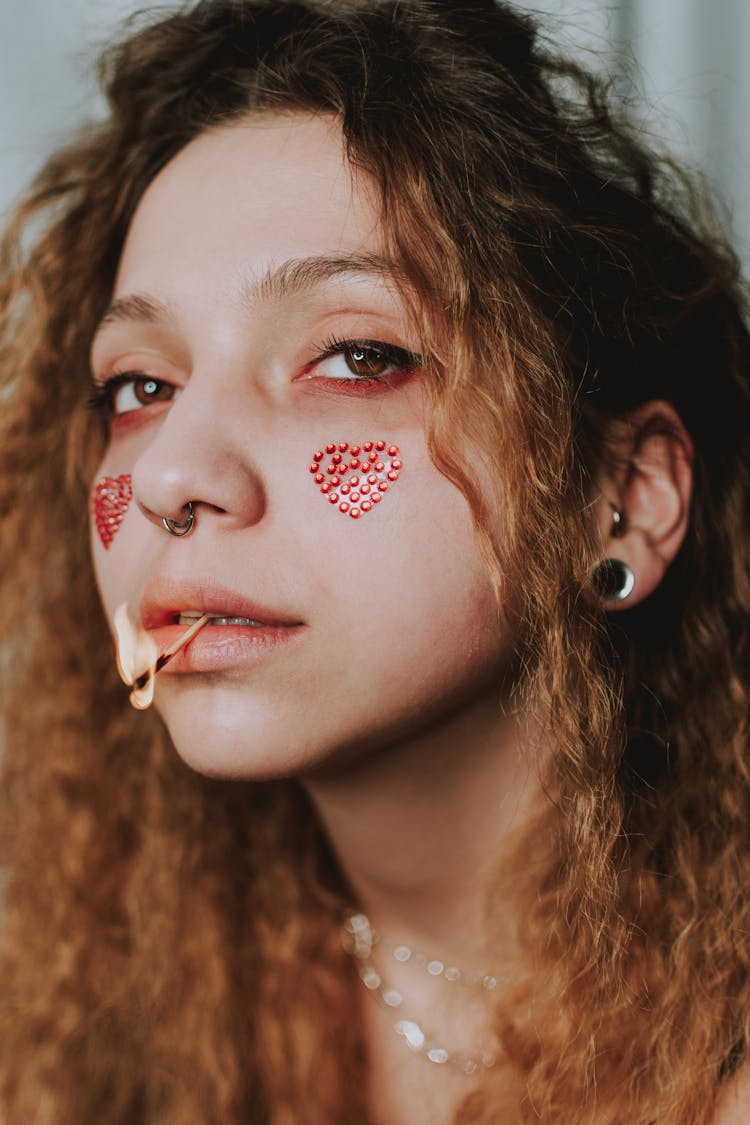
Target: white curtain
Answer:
[[683, 66], [689, 58]]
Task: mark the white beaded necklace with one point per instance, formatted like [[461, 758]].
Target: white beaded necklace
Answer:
[[359, 940]]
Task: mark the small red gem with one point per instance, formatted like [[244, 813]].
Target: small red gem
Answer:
[[340, 479], [109, 503]]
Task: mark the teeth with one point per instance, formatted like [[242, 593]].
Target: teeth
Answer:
[[189, 616]]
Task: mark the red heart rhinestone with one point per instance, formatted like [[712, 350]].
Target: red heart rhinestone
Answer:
[[355, 478], [109, 504]]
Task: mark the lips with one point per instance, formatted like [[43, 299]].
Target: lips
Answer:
[[166, 599]]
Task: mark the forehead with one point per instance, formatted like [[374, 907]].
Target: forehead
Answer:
[[241, 197]]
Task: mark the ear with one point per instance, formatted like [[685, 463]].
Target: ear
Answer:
[[649, 480]]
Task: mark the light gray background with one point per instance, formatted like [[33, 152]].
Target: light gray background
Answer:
[[688, 62]]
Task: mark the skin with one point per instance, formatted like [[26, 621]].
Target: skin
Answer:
[[734, 1103], [373, 598], [383, 698]]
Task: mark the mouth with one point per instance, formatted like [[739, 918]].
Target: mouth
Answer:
[[234, 634], [188, 616], [179, 602], [236, 631]]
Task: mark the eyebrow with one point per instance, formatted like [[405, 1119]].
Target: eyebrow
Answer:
[[295, 275], [299, 274], [135, 307]]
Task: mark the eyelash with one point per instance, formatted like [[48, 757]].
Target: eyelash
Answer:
[[101, 395], [403, 362]]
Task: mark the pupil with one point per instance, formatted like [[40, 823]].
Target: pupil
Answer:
[[366, 361], [150, 390]]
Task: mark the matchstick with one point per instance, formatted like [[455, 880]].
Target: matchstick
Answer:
[[141, 681]]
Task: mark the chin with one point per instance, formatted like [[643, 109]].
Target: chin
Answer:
[[218, 738], [245, 757]]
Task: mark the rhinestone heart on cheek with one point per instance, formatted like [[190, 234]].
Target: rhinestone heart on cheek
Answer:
[[109, 503], [355, 478]]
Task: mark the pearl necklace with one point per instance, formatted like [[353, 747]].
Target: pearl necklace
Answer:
[[359, 939]]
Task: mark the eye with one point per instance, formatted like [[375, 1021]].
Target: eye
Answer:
[[365, 361], [130, 391], [136, 391], [361, 361]]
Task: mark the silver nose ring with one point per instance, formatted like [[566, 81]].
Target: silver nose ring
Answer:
[[180, 528]]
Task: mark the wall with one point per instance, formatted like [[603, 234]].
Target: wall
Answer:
[[687, 57]]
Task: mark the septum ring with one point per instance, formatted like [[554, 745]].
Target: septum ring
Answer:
[[180, 528]]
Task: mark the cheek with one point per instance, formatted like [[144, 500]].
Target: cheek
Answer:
[[354, 477], [116, 553], [412, 581], [110, 501]]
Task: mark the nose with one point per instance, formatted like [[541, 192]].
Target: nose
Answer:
[[201, 454]]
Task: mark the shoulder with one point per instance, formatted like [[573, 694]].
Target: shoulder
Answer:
[[733, 1107]]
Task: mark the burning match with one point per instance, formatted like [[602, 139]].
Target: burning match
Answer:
[[138, 659]]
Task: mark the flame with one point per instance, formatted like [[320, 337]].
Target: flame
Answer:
[[136, 658]]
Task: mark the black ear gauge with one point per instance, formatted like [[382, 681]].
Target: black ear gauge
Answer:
[[612, 580]]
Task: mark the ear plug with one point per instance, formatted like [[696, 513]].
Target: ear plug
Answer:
[[355, 478], [109, 503]]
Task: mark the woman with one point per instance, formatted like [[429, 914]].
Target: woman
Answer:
[[411, 376]]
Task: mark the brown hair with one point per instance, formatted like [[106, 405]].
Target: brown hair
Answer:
[[170, 947]]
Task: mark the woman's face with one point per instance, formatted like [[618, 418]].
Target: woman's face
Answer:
[[255, 322]]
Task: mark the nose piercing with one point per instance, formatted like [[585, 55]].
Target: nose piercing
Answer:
[[180, 528]]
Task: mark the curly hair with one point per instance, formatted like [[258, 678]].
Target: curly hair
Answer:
[[170, 947]]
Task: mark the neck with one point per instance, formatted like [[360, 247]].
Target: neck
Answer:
[[425, 830]]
